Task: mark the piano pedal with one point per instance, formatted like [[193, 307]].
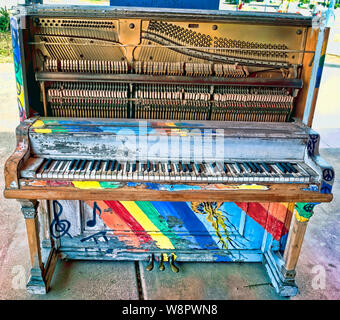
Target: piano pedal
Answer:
[[161, 263], [149, 267], [172, 263]]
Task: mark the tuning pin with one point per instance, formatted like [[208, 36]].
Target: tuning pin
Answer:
[[172, 264], [150, 265], [161, 263]]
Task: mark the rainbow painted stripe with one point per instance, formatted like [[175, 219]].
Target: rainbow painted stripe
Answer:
[[181, 225]]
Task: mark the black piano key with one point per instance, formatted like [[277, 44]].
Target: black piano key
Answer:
[[113, 165], [238, 166], [258, 167], [77, 164], [169, 166], [292, 167], [98, 165], [190, 167], [283, 170], [286, 167], [265, 167], [226, 170], [72, 164], [47, 164], [148, 166], [246, 166], [92, 165], [107, 165], [82, 166], [198, 168], [127, 168], [252, 166], [134, 167]]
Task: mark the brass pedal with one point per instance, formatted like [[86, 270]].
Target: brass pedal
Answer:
[[149, 267], [161, 263], [172, 264]]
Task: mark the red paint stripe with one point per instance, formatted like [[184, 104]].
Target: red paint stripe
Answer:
[[259, 212], [125, 215]]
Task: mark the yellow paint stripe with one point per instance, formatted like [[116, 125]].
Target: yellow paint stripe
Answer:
[[43, 130], [38, 123], [161, 240], [86, 184], [298, 217]]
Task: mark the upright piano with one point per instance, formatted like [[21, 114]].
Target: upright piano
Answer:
[[166, 136]]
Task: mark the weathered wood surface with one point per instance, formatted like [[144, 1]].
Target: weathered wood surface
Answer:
[[277, 193], [19, 156], [233, 128], [294, 244]]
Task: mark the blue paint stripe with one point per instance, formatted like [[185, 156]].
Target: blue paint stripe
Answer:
[[166, 210], [194, 225]]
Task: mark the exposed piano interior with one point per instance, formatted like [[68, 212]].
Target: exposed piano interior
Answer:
[[165, 135], [167, 67]]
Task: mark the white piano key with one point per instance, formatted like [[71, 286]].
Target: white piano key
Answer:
[[54, 165], [58, 169], [63, 168], [82, 173], [46, 171]]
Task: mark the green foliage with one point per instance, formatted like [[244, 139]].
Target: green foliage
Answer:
[[6, 47], [4, 20]]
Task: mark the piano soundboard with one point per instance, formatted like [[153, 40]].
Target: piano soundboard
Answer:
[[166, 136]]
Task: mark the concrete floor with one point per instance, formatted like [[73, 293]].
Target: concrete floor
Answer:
[[319, 259]]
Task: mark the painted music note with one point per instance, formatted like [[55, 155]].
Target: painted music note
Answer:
[[96, 236], [59, 227], [91, 223]]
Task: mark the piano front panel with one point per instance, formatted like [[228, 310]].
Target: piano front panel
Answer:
[[202, 231]]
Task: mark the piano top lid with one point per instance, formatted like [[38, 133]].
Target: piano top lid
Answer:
[[50, 125], [166, 13]]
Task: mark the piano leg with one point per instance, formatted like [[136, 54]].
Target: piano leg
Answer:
[[281, 269], [302, 214], [41, 273]]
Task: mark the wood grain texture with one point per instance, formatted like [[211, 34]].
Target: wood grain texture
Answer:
[[19, 156], [307, 65], [294, 244], [316, 90], [277, 193]]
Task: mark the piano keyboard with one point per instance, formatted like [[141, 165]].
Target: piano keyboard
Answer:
[[189, 171]]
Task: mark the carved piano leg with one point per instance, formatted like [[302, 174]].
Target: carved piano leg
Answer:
[[41, 273], [281, 268], [302, 214]]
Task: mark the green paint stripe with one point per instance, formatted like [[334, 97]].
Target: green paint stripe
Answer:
[[109, 185], [158, 220]]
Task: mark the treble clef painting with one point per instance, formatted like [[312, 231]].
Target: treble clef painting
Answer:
[[59, 227]]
